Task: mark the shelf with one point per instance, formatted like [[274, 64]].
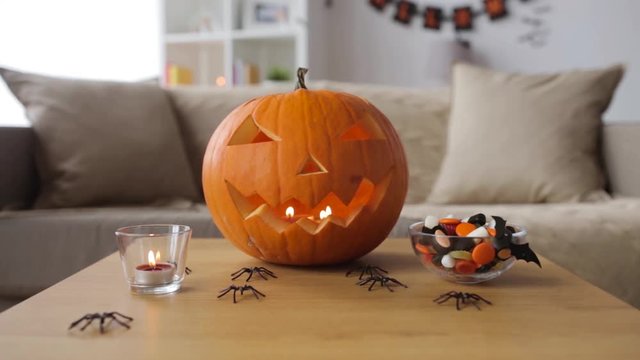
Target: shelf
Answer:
[[210, 37], [266, 33], [194, 38]]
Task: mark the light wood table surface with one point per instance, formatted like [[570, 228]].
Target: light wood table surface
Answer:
[[318, 313]]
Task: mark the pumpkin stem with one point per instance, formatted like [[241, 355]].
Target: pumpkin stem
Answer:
[[301, 73]]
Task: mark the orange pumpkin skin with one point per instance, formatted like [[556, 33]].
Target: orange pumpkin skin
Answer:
[[306, 149]]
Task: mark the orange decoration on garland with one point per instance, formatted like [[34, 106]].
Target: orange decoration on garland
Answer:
[[496, 9], [463, 18]]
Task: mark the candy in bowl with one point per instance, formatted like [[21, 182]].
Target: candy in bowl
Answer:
[[470, 250]]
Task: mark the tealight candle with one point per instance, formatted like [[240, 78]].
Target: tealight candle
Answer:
[[154, 273]]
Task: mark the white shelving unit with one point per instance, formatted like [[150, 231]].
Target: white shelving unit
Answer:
[[209, 36]]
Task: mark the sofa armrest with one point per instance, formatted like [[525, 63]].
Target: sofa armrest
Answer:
[[18, 177], [621, 146]]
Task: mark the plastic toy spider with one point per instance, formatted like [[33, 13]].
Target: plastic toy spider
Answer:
[[242, 289], [467, 298], [385, 281], [262, 271], [369, 270], [111, 316]]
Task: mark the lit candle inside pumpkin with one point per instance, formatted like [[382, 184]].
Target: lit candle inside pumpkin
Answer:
[[289, 213], [154, 272], [325, 213]]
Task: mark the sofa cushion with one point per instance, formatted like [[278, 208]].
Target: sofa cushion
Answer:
[[55, 243], [419, 116], [597, 241], [621, 142], [525, 138], [199, 112], [102, 142]]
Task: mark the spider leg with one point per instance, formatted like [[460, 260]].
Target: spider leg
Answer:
[[128, 318], [395, 281], [251, 272], [458, 303], [478, 297], [122, 323], [89, 321], [234, 294], [386, 284], [113, 317], [363, 272], [75, 323], [256, 292], [239, 273], [379, 270], [102, 317], [349, 272], [224, 292], [444, 297], [365, 281], [374, 282], [267, 271]]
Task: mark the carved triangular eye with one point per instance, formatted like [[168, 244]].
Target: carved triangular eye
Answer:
[[311, 166], [250, 133], [366, 128], [356, 132]]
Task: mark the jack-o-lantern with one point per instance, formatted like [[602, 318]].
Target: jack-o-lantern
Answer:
[[305, 178]]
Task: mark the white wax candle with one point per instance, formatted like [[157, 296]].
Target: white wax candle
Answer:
[[158, 274]]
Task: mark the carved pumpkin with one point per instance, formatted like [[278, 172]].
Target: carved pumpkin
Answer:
[[305, 178]]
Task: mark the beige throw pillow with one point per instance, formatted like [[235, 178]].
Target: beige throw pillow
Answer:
[[525, 138], [103, 142]]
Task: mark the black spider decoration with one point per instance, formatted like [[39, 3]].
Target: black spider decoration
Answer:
[[262, 271], [111, 316], [369, 270], [466, 298], [242, 289], [385, 281]]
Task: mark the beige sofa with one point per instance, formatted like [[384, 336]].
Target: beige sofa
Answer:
[[598, 241]]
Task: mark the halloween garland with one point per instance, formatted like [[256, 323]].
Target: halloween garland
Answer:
[[433, 17]]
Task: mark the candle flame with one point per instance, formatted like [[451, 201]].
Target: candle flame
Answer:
[[325, 213], [152, 258], [158, 256], [289, 212]]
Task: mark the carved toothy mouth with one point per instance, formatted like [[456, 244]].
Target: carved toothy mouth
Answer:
[[367, 195]]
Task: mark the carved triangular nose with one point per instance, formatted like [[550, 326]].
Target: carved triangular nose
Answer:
[[311, 166]]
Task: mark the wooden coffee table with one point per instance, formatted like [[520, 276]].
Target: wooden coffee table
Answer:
[[319, 313]]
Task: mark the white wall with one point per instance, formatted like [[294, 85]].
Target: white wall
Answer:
[[367, 46], [114, 39]]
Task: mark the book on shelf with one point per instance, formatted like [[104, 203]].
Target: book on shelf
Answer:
[[178, 75], [245, 73]]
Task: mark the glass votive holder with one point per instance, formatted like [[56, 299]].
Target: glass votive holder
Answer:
[[153, 256]]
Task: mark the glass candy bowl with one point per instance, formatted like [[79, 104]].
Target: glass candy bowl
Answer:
[[451, 257]]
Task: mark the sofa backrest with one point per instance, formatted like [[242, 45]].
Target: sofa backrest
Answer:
[[18, 177], [420, 117]]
